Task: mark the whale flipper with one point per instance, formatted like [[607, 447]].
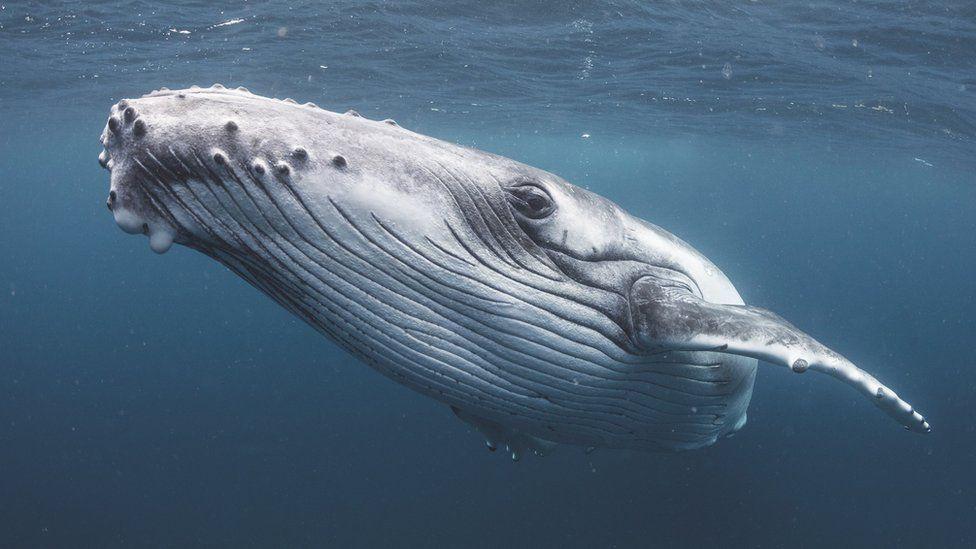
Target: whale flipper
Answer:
[[669, 317], [497, 435]]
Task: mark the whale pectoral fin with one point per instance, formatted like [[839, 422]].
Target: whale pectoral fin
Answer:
[[671, 318], [515, 442]]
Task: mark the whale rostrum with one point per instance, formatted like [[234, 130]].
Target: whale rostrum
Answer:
[[540, 312]]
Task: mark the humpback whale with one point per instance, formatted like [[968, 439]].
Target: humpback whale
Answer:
[[539, 312]]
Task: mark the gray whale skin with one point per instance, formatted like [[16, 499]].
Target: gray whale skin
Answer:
[[540, 312]]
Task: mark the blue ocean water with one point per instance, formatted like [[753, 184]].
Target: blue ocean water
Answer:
[[821, 154]]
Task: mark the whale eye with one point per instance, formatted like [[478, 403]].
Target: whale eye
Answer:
[[530, 200]]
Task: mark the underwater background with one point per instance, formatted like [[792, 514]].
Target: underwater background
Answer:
[[823, 154]]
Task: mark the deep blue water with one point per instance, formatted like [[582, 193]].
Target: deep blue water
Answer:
[[822, 155]]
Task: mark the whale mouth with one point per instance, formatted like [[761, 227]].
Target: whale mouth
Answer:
[[188, 168], [134, 213], [132, 204]]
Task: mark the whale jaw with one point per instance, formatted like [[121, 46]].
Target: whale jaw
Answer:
[[161, 146]]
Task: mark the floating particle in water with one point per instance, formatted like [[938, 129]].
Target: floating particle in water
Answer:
[[819, 42], [854, 42], [585, 136], [228, 23], [282, 32], [586, 67], [923, 162], [727, 71]]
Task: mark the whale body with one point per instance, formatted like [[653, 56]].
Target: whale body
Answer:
[[540, 312]]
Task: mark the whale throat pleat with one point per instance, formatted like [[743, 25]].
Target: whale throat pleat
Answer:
[[480, 321]]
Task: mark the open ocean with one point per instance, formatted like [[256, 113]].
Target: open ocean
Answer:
[[822, 154]]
